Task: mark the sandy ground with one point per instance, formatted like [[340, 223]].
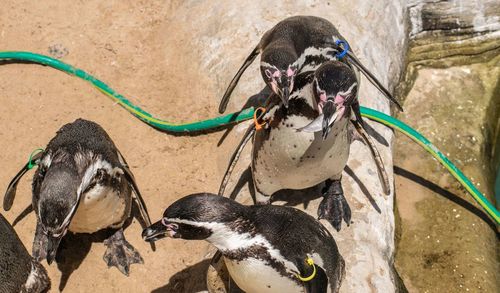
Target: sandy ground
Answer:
[[122, 43]]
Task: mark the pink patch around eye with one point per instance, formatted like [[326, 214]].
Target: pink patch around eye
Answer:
[[277, 73], [322, 97], [339, 100], [290, 72]]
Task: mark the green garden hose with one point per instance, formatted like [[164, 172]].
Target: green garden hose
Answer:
[[247, 114], [124, 102], [433, 150]]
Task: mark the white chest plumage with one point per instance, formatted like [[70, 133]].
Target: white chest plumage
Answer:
[[255, 276], [289, 159], [100, 207]]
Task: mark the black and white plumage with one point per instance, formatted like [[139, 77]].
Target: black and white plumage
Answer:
[[286, 156], [264, 247], [296, 45], [19, 272], [308, 142], [82, 185]]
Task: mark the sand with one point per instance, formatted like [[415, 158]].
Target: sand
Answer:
[[120, 42]]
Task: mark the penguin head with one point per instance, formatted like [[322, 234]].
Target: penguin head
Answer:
[[56, 204], [195, 217], [335, 88], [279, 70]]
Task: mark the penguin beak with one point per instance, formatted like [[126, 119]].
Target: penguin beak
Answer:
[[52, 246], [285, 96], [159, 230], [328, 110]]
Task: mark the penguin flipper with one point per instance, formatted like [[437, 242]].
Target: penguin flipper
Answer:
[[384, 179], [319, 282], [236, 78], [367, 127], [10, 194], [373, 80], [235, 157], [141, 205]]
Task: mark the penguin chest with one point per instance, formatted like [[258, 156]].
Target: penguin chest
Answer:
[[100, 207], [254, 275], [286, 158]]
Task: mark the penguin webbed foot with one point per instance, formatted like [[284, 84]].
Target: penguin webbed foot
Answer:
[[120, 253], [334, 206]]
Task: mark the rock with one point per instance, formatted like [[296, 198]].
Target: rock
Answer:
[[219, 36], [453, 99]]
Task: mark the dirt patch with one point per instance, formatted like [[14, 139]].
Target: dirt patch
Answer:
[[122, 43]]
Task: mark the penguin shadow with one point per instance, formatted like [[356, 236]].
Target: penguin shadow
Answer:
[[449, 196], [363, 188], [256, 100], [73, 250], [75, 247], [373, 133], [245, 178], [292, 197], [190, 280], [22, 215]]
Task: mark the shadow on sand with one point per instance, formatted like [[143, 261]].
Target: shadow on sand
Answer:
[[189, 280]]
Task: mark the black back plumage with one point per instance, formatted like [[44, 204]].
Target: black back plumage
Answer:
[[15, 261], [299, 33], [334, 76], [84, 135], [76, 137], [204, 207], [297, 234]]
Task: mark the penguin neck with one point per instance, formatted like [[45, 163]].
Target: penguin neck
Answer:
[[302, 102], [227, 236], [239, 234]]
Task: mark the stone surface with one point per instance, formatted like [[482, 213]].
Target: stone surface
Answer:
[[446, 32], [447, 243], [445, 240]]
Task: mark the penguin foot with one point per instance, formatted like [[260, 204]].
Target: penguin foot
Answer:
[[120, 253], [334, 206]]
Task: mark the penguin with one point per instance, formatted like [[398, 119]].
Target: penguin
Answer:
[[308, 142], [19, 272], [82, 185], [265, 248], [295, 45]]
